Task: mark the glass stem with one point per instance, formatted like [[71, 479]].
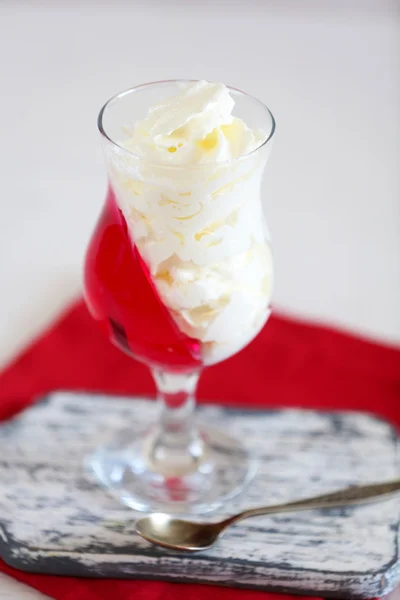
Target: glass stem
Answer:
[[176, 446]]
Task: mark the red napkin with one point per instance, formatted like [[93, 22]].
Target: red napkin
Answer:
[[289, 364]]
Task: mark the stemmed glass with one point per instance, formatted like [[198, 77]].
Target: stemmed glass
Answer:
[[178, 273]]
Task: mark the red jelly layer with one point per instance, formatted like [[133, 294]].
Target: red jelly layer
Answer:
[[123, 299]]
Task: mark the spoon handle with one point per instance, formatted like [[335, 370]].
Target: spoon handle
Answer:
[[346, 497]]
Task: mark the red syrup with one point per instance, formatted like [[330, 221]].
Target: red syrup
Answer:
[[123, 299]]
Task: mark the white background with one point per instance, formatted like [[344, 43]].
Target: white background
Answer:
[[330, 72]]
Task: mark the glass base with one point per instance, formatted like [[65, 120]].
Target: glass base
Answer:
[[223, 471]]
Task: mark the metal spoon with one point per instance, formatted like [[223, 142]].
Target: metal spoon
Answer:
[[170, 532]]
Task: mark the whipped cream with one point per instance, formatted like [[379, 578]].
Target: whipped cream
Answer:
[[194, 127], [189, 188]]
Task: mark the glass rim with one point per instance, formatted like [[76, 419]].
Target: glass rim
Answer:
[[138, 88]]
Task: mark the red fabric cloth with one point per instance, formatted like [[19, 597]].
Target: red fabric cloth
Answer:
[[289, 364]]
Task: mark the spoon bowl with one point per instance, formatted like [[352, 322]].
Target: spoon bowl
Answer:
[[179, 534]]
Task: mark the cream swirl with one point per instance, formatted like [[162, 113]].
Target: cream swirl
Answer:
[[194, 127], [198, 223]]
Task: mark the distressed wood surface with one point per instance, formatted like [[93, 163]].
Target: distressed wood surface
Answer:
[[55, 520]]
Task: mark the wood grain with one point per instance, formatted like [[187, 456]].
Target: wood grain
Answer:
[[55, 520]]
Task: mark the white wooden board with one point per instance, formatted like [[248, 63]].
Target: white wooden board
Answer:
[[55, 520]]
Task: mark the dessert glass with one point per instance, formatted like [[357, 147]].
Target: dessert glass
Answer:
[[178, 273]]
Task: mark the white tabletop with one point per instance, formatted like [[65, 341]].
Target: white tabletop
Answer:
[[330, 71]]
